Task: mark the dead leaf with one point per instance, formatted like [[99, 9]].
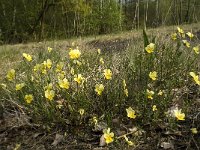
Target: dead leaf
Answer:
[[102, 141], [167, 145], [100, 126], [57, 139], [37, 134]]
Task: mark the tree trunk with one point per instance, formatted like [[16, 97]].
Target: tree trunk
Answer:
[[188, 12]]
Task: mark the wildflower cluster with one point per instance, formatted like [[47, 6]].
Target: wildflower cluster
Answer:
[[69, 88]]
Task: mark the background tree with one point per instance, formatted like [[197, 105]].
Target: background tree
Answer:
[[25, 20]]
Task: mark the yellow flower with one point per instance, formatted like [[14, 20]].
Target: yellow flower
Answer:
[[49, 94], [43, 67], [126, 92], [72, 71], [195, 77], [101, 60], [28, 98], [150, 48], [78, 78], [154, 108], [99, 51], [27, 56], [49, 86], [99, 88], [179, 115], [160, 92], [48, 63], [194, 130], [74, 54], [64, 83], [180, 30], [124, 83], [49, 49], [81, 111], [107, 74], [78, 63], [186, 43], [174, 36], [130, 113], [36, 67], [3, 85], [11, 74], [153, 75], [108, 136], [196, 49], [19, 86], [95, 120], [190, 35], [59, 66], [61, 75], [32, 78], [150, 94], [129, 142]]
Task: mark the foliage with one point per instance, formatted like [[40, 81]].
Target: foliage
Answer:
[[140, 88]]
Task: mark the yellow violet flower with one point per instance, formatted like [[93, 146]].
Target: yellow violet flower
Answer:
[[126, 92], [59, 66], [154, 108], [179, 115], [180, 30], [49, 49], [99, 88], [101, 60], [81, 111], [95, 120], [190, 35], [194, 130], [3, 85], [48, 63], [72, 71], [150, 48], [49, 86], [130, 113], [28, 98], [108, 74], [186, 43], [174, 36], [160, 93], [196, 49], [108, 136], [74, 54], [61, 75], [99, 51], [43, 68], [78, 78], [150, 94], [64, 83], [18, 87], [49, 94], [129, 142], [27, 57], [10, 75], [124, 84], [153, 75], [78, 63], [36, 67], [195, 77]]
